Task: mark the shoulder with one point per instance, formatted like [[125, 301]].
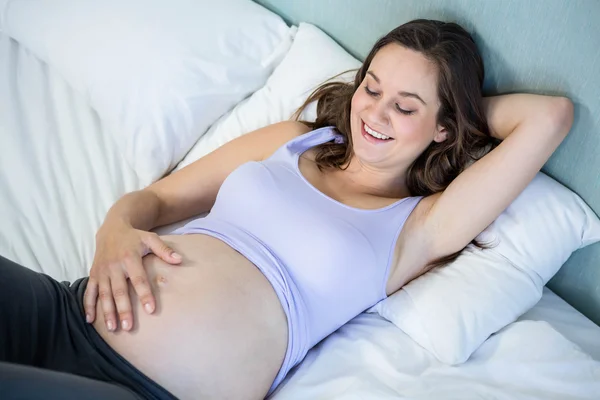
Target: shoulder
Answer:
[[292, 129], [272, 137]]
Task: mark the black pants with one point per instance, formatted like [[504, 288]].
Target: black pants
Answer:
[[48, 351]]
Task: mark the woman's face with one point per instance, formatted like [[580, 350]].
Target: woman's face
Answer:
[[393, 114]]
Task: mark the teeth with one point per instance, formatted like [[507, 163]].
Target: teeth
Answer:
[[375, 133]]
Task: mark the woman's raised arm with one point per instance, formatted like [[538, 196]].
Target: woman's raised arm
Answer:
[[531, 127]]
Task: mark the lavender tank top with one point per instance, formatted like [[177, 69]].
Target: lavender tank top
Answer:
[[327, 261]]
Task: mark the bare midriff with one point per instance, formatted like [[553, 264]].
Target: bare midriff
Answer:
[[219, 330]]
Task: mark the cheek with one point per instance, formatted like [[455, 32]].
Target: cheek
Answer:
[[415, 131], [355, 104], [407, 127]]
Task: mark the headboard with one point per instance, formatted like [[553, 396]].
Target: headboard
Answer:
[[536, 46]]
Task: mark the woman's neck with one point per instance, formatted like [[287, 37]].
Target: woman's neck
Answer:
[[365, 179]]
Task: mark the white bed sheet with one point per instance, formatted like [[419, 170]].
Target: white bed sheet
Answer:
[[370, 358], [60, 172]]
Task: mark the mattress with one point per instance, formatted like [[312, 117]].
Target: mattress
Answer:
[[61, 171]]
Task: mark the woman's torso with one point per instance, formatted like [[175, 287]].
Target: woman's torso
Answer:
[[220, 329]]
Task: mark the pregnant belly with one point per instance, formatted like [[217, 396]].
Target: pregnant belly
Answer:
[[218, 332]]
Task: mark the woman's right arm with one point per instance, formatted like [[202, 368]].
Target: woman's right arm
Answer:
[[123, 239]]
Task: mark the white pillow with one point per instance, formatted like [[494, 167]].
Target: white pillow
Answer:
[[158, 73], [312, 59], [452, 310]]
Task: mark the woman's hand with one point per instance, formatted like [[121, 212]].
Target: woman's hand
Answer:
[[119, 252]]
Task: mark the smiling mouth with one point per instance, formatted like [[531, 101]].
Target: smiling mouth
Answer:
[[372, 135]]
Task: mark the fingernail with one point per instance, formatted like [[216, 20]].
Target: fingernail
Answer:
[[176, 256], [88, 318], [125, 324], [148, 307], [109, 324]]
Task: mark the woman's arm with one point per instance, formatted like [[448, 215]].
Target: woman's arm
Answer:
[[193, 189], [532, 127], [504, 113], [122, 240]]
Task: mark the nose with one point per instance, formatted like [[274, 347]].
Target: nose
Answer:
[[377, 113]]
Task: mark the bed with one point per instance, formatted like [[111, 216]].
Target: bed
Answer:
[[62, 166]]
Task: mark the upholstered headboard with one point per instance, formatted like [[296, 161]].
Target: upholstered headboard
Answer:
[[537, 46]]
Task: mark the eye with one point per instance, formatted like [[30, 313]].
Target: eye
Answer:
[[370, 92], [403, 111]]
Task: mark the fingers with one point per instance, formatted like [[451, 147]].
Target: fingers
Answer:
[[110, 287], [89, 300], [160, 249], [120, 293], [139, 281], [107, 303]]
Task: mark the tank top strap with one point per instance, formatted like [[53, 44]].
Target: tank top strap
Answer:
[[315, 138]]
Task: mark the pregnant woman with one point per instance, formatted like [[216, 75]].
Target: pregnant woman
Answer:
[[309, 225]]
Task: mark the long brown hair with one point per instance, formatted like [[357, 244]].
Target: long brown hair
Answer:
[[460, 81]]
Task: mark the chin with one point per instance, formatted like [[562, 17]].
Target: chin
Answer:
[[367, 153]]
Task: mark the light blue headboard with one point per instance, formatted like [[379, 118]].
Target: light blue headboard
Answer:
[[538, 46]]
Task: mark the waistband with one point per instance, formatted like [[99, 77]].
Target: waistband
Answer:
[[111, 365], [273, 269]]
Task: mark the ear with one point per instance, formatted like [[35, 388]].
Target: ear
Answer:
[[441, 134]]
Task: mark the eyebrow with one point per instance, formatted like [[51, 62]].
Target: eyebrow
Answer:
[[401, 93]]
